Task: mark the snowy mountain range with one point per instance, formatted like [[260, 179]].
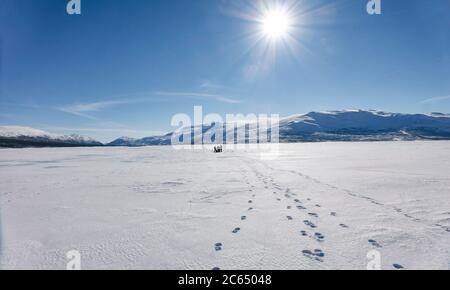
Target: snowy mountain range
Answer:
[[155, 140], [359, 125], [19, 137], [345, 125]]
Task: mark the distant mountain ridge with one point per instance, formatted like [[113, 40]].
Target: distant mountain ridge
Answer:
[[344, 125], [360, 125], [21, 137], [147, 141]]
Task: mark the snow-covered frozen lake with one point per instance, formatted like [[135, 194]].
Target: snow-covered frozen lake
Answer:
[[158, 208]]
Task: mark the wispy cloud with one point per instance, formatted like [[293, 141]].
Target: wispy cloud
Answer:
[[207, 84], [83, 109], [435, 100], [92, 107], [203, 96]]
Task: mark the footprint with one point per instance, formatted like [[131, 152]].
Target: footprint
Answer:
[[310, 224], [307, 253], [343, 226], [250, 208], [289, 207], [313, 214], [304, 233], [316, 255], [375, 243], [236, 230], [218, 246], [319, 237], [250, 201], [319, 253], [289, 218], [333, 214], [317, 205], [301, 207], [243, 218], [297, 200], [398, 267]]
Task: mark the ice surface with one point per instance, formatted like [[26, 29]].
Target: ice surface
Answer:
[[317, 206]]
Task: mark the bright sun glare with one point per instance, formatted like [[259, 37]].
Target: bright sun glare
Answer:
[[275, 24], [275, 27]]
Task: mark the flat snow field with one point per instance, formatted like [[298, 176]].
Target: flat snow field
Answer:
[[159, 208]]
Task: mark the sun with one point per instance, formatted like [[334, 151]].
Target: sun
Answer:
[[276, 24], [274, 29]]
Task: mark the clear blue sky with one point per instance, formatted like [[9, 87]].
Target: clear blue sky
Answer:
[[125, 67]]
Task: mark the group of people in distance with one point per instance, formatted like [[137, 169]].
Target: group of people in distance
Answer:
[[218, 149]]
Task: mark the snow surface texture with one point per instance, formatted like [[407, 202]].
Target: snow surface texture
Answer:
[[318, 206]]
